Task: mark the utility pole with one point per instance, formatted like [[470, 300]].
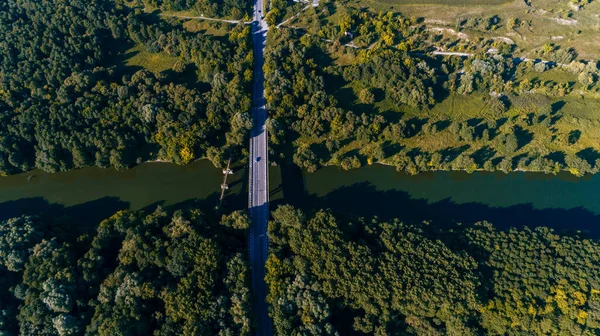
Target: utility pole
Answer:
[[226, 172]]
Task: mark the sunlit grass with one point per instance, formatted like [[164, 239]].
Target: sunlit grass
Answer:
[[154, 62], [447, 2], [207, 27]]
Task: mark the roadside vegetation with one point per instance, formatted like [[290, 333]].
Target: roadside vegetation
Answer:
[[107, 85], [331, 275], [161, 273], [232, 9], [357, 88]]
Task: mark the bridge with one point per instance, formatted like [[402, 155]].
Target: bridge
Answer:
[[224, 186], [258, 195]]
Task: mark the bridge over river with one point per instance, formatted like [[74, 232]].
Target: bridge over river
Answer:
[[258, 198]]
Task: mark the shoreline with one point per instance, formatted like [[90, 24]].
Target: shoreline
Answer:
[[382, 163], [478, 170]]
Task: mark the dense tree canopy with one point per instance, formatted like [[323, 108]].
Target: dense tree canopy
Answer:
[[390, 278], [210, 8], [163, 273], [66, 102]]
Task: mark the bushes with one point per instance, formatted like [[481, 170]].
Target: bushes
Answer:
[[366, 96], [166, 272], [330, 274], [504, 107], [228, 8], [486, 24], [394, 73], [413, 288], [70, 106]]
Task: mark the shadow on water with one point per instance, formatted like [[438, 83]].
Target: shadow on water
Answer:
[[364, 200], [85, 217], [93, 211]]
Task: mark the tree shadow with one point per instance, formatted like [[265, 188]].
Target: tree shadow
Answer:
[[479, 129], [589, 154], [364, 200], [517, 159], [450, 154], [321, 58], [415, 125], [379, 94], [483, 154], [77, 219], [118, 55], [474, 121], [500, 122], [557, 106], [391, 148], [524, 136], [574, 136], [442, 125], [556, 157], [187, 78], [391, 117]]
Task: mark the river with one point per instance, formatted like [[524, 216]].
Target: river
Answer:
[[563, 202], [92, 194]]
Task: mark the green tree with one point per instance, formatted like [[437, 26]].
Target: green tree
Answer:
[[17, 238], [366, 96]]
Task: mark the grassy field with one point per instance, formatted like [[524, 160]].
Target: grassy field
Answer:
[[547, 126], [553, 75], [572, 116], [541, 22], [207, 27], [155, 62], [446, 2], [545, 120]]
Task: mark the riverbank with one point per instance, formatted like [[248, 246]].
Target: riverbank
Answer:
[[482, 170], [467, 171], [516, 199], [97, 192]]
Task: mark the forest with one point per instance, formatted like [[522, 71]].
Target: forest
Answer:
[[166, 272], [350, 87], [332, 275], [67, 100], [228, 8]]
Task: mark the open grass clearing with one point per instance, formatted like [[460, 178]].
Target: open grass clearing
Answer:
[[446, 2], [207, 27], [553, 75], [154, 62], [542, 22]]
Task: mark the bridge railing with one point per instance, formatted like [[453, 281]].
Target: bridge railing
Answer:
[[250, 171]]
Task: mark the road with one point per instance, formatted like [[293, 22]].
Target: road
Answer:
[[258, 197]]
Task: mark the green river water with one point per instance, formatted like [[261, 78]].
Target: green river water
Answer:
[[518, 199]]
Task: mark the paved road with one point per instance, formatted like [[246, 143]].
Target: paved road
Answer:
[[258, 184]]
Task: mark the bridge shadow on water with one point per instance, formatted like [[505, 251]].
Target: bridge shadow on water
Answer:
[[364, 200]]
